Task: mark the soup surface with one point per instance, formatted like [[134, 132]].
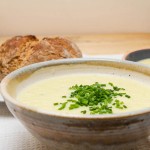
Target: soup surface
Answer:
[[145, 61], [44, 93]]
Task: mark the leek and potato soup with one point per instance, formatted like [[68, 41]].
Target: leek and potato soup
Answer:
[[145, 61], [87, 93]]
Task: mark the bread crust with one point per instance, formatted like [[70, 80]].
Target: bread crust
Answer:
[[20, 51], [10, 52]]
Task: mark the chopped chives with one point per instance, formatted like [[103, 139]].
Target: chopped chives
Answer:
[[55, 104], [63, 96], [98, 98], [63, 105], [83, 111]]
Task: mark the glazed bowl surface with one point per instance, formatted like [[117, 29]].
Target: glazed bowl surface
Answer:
[[128, 130]]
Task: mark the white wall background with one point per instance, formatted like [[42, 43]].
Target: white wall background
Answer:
[[73, 16]]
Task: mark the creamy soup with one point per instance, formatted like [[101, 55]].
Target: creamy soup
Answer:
[[145, 61], [44, 93]]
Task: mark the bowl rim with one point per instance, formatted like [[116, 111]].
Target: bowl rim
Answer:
[[35, 66]]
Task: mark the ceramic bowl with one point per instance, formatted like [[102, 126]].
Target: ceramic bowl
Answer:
[[70, 132], [137, 55]]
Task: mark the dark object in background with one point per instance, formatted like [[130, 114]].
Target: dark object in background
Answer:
[[138, 55]]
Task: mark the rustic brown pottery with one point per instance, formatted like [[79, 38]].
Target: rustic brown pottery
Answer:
[[70, 132]]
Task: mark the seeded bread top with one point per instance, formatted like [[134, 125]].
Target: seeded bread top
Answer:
[[20, 51]]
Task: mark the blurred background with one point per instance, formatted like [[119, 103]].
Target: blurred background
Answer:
[[46, 17]]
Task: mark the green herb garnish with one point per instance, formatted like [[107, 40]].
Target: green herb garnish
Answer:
[[63, 105], [73, 106], [55, 104], [96, 97], [127, 96], [83, 111], [64, 96]]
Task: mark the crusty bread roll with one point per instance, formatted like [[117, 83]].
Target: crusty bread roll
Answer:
[[20, 51], [10, 52]]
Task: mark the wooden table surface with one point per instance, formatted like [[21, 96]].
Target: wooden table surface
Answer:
[[96, 44]]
